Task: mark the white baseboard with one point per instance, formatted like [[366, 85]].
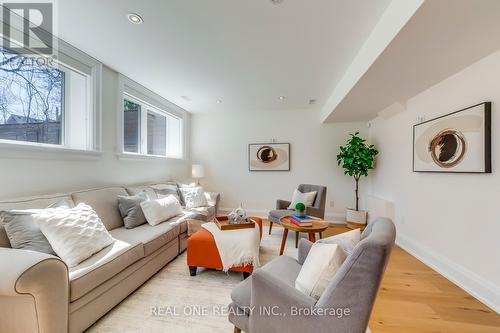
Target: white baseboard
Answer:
[[334, 218], [485, 291]]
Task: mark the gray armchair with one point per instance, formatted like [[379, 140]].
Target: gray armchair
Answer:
[[317, 209], [267, 301]]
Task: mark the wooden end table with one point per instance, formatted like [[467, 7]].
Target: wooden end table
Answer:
[[318, 226]]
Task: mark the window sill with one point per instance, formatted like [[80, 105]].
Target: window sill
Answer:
[[140, 157], [35, 151]]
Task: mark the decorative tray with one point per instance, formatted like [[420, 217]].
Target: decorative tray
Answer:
[[222, 222]]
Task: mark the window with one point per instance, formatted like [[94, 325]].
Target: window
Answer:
[[31, 100], [157, 134], [46, 102], [131, 125], [149, 130]]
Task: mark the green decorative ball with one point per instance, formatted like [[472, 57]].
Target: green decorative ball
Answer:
[[300, 207]]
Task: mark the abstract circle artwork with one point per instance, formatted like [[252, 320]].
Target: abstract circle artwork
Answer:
[[448, 148]]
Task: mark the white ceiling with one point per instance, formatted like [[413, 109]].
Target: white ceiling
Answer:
[[245, 52], [442, 38]]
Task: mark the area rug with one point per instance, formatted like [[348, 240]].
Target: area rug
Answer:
[[173, 301]]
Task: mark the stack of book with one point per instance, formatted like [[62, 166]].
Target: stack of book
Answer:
[[301, 221]]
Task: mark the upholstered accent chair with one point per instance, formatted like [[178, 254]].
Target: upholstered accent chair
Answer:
[[354, 287], [317, 209]]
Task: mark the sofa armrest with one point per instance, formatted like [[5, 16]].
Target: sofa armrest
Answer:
[[213, 199], [271, 300], [282, 204], [43, 277], [304, 248]]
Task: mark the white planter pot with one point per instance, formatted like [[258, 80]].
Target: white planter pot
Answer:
[[356, 216]]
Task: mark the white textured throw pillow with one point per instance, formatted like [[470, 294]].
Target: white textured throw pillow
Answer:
[[347, 240], [306, 198], [157, 211], [194, 197], [75, 234], [319, 268]]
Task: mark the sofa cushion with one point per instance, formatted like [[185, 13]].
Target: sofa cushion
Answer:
[[284, 268], [170, 188], [102, 266], [279, 213], [152, 237], [105, 202], [206, 214], [150, 193], [181, 221]]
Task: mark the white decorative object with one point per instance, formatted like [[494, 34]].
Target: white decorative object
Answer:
[[160, 210], [75, 234], [319, 268], [356, 216], [194, 197], [237, 216], [197, 172], [306, 198]]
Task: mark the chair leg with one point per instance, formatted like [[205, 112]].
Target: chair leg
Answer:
[[192, 270], [245, 275], [296, 239], [236, 330], [270, 226]]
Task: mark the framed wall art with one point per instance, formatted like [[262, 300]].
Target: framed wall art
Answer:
[[456, 142], [269, 157]]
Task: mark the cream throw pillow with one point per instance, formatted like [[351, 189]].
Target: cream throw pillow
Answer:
[[75, 234], [347, 240], [306, 198], [160, 210], [319, 268]]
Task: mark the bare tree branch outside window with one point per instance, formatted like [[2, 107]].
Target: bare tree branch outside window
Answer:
[[31, 99]]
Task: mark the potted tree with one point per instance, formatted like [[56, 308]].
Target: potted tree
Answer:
[[356, 158]]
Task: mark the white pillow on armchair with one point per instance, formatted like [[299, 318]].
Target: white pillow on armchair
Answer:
[[306, 198]]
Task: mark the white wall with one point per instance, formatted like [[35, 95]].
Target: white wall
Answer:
[[25, 177], [220, 142], [450, 221]]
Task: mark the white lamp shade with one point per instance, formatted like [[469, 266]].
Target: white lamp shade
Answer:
[[197, 171]]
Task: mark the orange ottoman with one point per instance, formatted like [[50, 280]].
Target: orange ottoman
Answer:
[[202, 252]]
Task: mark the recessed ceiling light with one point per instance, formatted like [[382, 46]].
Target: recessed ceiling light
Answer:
[[135, 18], [186, 98], [282, 98], [277, 2], [219, 101], [312, 101]]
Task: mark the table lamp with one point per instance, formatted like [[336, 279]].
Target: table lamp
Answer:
[[197, 172]]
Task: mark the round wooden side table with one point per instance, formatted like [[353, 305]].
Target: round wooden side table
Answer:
[[318, 226]]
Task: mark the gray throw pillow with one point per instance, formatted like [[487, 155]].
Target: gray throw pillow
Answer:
[[164, 190], [23, 232], [131, 211]]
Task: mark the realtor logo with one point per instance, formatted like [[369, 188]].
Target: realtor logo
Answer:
[[29, 25]]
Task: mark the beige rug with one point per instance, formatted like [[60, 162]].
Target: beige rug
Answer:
[[173, 301]]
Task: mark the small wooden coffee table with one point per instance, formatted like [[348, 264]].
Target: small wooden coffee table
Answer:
[[318, 226]]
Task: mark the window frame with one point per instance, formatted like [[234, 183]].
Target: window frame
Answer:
[[150, 102], [76, 60]]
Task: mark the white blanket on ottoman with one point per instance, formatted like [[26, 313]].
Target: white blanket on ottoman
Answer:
[[236, 247]]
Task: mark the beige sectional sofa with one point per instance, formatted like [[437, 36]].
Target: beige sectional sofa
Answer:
[[39, 294]]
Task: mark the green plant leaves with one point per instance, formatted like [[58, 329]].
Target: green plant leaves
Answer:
[[356, 157]]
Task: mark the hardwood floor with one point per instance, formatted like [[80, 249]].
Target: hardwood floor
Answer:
[[413, 298]]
